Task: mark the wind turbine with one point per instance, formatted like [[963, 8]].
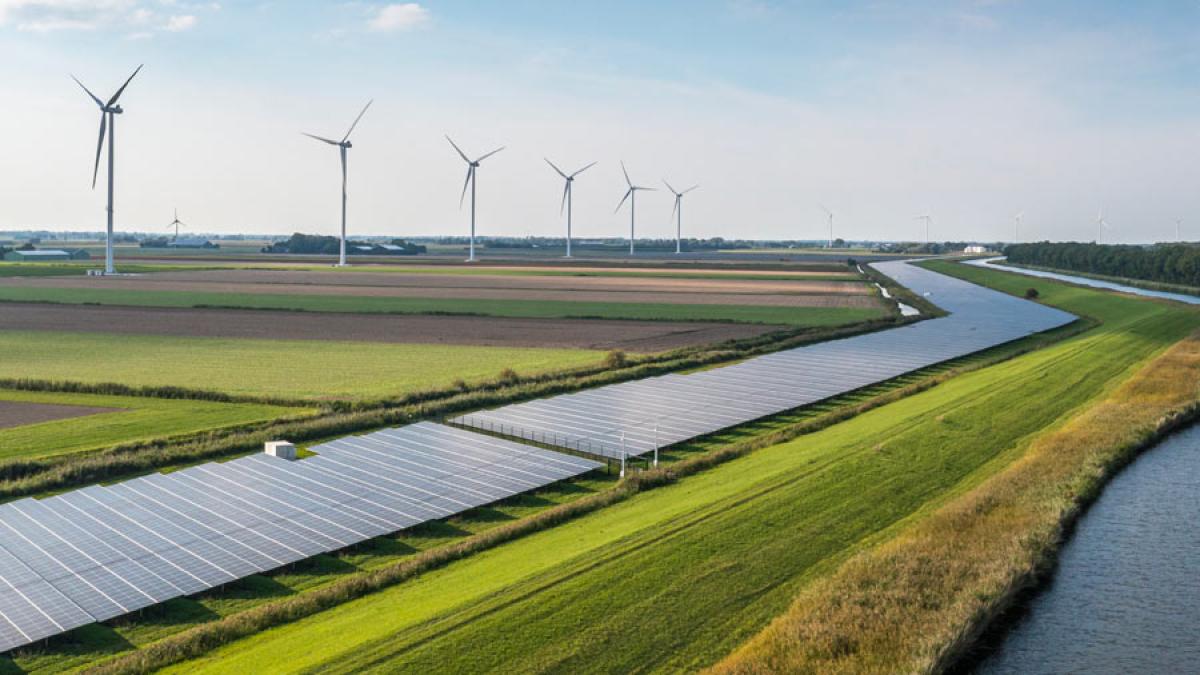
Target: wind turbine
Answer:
[[1017, 226], [177, 223], [928, 219], [108, 120], [631, 195], [342, 146], [1100, 225], [830, 214], [677, 211], [566, 198], [472, 165], [1178, 224]]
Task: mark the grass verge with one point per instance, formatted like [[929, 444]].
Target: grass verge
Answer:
[[918, 602]]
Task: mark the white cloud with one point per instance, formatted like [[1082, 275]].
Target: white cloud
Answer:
[[180, 23], [399, 17]]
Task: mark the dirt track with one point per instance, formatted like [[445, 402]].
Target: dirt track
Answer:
[[634, 336], [20, 413]]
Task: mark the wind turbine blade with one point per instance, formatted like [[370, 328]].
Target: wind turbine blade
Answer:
[[690, 189], [560, 171], [326, 140], [627, 181], [466, 183], [562, 207], [676, 206], [356, 119], [489, 154], [99, 147], [89, 93], [113, 100], [669, 187], [458, 149], [584, 169], [627, 193]]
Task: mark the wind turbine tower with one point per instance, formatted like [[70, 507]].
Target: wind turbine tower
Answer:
[[928, 219], [1100, 225], [177, 223], [830, 216], [631, 195], [1017, 226], [677, 211], [108, 121], [566, 198], [342, 146], [472, 166]]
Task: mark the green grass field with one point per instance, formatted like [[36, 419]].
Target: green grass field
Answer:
[[286, 368], [674, 578], [794, 316], [138, 419]]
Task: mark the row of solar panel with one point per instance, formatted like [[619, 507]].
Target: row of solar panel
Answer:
[[100, 552], [634, 418]]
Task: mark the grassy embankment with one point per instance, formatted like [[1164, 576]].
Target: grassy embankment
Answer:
[[277, 368], [917, 602], [134, 419], [675, 578], [541, 309], [322, 575]]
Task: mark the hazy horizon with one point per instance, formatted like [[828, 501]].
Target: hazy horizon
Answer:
[[971, 111]]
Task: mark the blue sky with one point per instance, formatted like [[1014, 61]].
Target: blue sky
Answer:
[[971, 110]]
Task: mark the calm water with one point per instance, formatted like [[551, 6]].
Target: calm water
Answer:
[[1085, 281], [1126, 595]]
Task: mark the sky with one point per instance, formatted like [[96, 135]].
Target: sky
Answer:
[[969, 110]]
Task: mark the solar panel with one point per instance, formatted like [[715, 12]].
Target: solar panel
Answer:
[[634, 418], [99, 552]]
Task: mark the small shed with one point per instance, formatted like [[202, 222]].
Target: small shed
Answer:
[[42, 255]]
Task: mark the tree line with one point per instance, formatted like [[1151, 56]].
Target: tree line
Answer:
[[1162, 263]]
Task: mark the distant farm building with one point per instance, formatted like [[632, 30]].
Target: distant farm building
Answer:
[[46, 255], [975, 249]]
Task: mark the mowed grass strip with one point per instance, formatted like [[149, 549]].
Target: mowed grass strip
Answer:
[[675, 578], [791, 316], [917, 602], [133, 419], [285, 368]]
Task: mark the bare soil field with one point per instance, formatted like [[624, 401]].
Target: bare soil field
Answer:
[[634, 336], [801, 293], [20, 413]]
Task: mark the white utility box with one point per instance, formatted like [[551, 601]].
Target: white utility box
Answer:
[[281, 449]]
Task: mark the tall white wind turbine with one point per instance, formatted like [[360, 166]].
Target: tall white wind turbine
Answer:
[[177, 223], [1017, 226], [108, 121], [677, 212], [342, 146], [1178, 225], [829, 214], [631, 195], [472, 165], [928, 220], [567, 194], [1101, 224]]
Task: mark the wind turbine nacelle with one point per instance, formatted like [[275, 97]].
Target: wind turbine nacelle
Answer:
[[116, 109], [347, 144]]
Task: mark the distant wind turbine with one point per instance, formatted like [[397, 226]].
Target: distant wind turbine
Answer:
[[1017, 226], [177, 223], [631, 195], [343, 145], [472, 165], [830, 215], [108, 120], [567, 193], [1178, 225], [928, 219], [1101, 224], [677, 211]]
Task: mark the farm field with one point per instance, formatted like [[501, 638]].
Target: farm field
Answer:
[[283, 368], [108, 420], [717, 555], [606, 334]]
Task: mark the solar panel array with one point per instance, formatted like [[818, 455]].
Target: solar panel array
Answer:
[[633, 418], [100, 552]]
